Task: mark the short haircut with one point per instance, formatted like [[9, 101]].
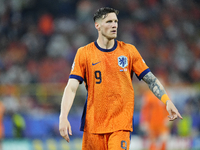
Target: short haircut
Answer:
[[101, 12]]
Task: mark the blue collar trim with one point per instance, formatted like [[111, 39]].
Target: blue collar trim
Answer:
[[106, 50]]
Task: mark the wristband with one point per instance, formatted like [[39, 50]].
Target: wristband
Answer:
[[164, 98]]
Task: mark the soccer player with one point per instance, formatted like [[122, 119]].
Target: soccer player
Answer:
[[106, 66], [154, 122]]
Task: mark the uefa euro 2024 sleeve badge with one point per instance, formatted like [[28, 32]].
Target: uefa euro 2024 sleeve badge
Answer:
[[123, 62]]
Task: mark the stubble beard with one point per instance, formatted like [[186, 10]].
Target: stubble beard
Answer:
[[109, 37]]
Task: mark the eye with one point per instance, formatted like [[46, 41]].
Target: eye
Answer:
[[109, 21]]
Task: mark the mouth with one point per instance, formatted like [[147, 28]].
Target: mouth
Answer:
[[114, 31]]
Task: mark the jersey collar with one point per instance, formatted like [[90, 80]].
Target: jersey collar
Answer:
[[106, 50]]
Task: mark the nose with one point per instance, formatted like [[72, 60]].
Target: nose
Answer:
[[114, 25]]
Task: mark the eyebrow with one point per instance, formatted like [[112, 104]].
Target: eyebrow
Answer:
[[112, 20]]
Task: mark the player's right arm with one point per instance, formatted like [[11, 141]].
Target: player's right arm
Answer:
[[66, 103]]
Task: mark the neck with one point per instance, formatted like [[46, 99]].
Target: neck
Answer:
[[105, 43]]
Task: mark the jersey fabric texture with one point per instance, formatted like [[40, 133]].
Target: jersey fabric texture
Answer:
[[107, 74]]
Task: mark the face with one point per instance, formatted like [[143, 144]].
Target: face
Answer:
[[107, 27]]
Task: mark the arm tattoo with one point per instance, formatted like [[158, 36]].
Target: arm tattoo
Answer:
[[154, 85]]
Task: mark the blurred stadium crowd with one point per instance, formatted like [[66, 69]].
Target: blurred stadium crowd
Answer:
[[39, 39]]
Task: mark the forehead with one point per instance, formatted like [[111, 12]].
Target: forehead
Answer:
[[110, 16]]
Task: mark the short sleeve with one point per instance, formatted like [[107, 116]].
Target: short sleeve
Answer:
[[139, 66]]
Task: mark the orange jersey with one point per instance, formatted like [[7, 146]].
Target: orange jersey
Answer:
[[107, 74], [154, 113]]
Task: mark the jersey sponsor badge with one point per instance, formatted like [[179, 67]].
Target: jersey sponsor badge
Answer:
[[122, 61]]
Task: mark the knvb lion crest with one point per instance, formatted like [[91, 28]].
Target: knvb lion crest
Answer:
[[122, 61]]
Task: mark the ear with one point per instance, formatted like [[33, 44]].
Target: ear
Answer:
[[97, 26]]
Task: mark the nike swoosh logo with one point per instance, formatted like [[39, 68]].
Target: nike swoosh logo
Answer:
[[95, 63]]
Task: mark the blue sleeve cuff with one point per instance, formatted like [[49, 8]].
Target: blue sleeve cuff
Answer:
[[76, 77], [143, 74]]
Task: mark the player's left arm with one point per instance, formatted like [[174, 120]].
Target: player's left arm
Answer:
[[158, 90]]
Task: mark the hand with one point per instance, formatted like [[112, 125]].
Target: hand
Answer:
[[144, 127], [65, 128], [173, 112]]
